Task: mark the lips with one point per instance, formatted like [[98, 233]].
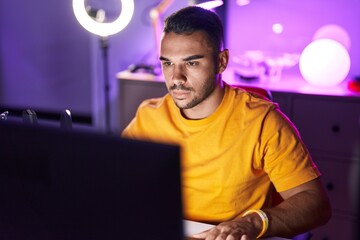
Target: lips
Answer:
[[180, 94]]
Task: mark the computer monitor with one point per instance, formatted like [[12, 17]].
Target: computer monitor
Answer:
[[58, 184]]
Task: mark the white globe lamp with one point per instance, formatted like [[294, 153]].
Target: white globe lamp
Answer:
[[324, 62]]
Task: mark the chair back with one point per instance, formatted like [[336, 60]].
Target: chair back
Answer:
[[261, 91]]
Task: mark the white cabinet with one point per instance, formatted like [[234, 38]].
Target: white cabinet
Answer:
[[329, 124], [330, 127]]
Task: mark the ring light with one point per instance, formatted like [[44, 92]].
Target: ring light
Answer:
[[104, 29]]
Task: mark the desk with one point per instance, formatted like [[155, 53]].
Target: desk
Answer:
[[192, 227]]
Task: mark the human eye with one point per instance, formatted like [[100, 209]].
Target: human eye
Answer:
[[192, 63], [167, 63]]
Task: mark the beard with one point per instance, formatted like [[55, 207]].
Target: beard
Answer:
[[204, 93]]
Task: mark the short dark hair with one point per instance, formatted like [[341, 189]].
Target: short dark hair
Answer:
[[191, 19]]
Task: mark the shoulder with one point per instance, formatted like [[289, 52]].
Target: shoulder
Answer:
[[250, 101], [155, 111], [151, 117], [258, 109], [252, 94], [154, 104]]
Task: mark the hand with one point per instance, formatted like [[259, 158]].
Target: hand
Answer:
[[245, 228]]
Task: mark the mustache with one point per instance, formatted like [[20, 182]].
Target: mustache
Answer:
[[180, 87]]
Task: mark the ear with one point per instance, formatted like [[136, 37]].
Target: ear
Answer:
[[223, 60]]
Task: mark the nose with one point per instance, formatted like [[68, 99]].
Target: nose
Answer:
[[178, 75]]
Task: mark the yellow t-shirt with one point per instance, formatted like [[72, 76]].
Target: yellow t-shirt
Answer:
[[230, 158]]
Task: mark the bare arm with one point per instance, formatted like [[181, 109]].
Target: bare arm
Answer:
[[304, 208]]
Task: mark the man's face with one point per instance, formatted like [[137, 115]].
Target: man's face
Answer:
[[189, 68]]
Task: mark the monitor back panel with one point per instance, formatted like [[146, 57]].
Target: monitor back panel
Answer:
[[77, 185]]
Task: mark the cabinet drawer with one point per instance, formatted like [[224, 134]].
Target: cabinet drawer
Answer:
[[341, 180], [328, 125]]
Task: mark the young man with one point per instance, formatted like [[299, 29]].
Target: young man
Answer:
[[235, 145]]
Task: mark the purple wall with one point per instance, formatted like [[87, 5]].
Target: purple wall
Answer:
[[48, 61], [45, 60], [249, 27]]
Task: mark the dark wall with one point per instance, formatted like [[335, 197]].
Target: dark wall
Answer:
[[44, 57], [49, 62]]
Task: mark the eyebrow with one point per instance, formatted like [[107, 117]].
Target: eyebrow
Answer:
[[184, 59], [193, 57], [164, 58]]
